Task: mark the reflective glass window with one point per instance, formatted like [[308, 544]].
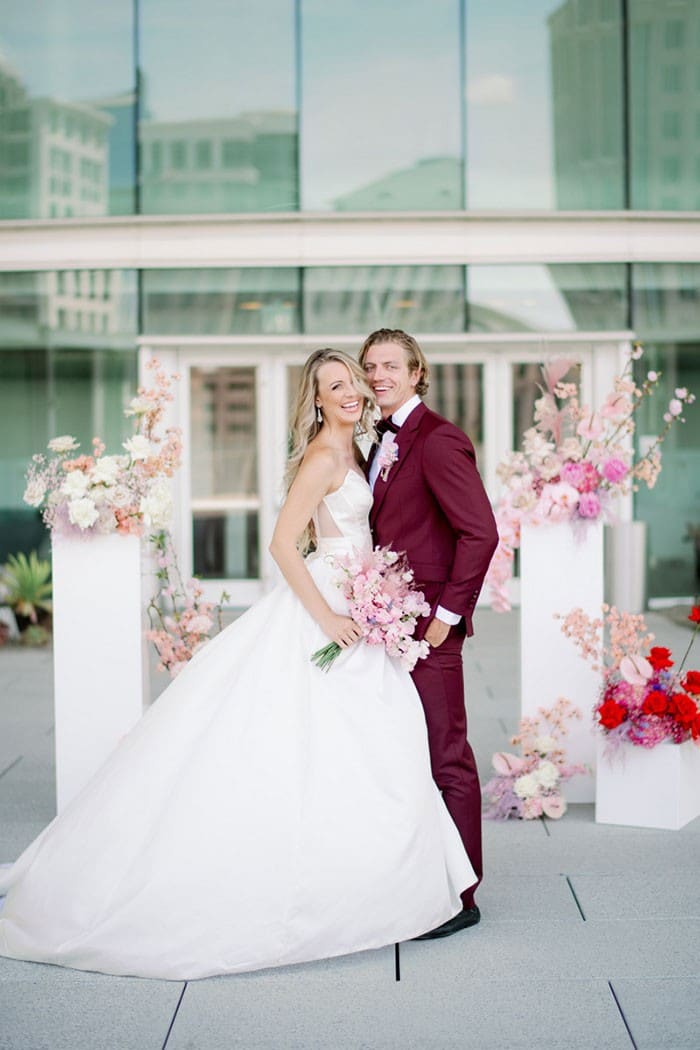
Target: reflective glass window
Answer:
[[218, 122], [67, 366], [559, 297], [359, 299], [544, 104], [221, 302], [664, 69], [381, 91], [666, 300], [67, 96], [671, 509]]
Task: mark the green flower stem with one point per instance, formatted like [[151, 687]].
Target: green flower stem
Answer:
[[325, 656]]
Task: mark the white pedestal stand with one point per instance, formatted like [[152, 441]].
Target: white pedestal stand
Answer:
[[97, 629], [656, 787], [560, 571]]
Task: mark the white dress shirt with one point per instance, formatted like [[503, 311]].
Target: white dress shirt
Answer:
[[399, 417]]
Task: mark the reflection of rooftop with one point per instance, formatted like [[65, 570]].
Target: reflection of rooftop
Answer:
[[432, 182]]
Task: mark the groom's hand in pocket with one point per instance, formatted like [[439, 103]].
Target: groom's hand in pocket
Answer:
[[436, 633]]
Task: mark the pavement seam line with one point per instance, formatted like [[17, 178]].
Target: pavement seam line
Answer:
[[622, 1015], [397, 962], [11, 765], [573, 894], [173, 1018]]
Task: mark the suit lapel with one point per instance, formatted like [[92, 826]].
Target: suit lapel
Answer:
[[404, 439]]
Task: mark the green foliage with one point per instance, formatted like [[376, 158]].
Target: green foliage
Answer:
[[27, 581]]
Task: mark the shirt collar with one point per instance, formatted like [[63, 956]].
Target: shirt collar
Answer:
[[401, 414]]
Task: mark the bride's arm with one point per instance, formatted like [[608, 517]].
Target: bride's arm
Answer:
[[313, 481]]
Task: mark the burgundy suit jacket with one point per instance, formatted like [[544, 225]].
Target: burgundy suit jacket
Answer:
[[433, 506]]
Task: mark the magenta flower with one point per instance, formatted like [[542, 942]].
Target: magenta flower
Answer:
[[614, 470], [589, 505]]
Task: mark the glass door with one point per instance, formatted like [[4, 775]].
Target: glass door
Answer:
[[225, 498]]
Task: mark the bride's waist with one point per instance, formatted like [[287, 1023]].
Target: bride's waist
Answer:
[[341, 545]]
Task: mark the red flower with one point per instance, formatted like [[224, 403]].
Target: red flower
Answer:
[[691, 683], [659, 658], [685, 710], [611, 714], [695, 728], [655, 703], [695, 614]]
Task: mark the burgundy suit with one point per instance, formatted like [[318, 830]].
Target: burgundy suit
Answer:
[[433, 506]]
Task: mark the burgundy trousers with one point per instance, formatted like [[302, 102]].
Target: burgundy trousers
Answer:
[[440, 684]]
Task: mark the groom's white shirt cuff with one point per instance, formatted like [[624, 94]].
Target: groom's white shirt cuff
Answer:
[[399, 417]]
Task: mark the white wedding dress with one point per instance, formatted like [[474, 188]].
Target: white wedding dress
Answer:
[[261, 813]]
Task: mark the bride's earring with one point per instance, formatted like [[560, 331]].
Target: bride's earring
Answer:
[[319, 414]]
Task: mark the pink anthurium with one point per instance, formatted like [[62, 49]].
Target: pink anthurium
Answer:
[[635, 669], [554, 806], [507, 764]]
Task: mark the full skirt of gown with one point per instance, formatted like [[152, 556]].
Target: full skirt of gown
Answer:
[[261, 813]]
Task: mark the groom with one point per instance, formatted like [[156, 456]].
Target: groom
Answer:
[[430, 502]]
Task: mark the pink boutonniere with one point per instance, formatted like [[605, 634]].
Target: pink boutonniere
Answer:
[[387, 455]]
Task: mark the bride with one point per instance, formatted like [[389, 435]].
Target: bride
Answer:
[[262, 812]]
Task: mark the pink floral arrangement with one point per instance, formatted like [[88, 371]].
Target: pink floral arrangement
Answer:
[[126, 493], [184, 619], [575, 460], [383, 603], [528, 785], [643, 701]]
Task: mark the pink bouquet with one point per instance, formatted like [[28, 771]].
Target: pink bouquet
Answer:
[[382, 602], [527, 786]]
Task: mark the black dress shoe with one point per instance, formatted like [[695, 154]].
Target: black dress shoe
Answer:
[[463, 920]]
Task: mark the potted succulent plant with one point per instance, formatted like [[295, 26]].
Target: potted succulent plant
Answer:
[[27, 588]]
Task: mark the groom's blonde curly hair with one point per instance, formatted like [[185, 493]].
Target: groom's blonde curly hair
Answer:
[[415, 358]]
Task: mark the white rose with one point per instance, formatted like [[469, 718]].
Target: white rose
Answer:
[[119, 496], [139, 447], [526, 786], [545, 744], [65, 443], [157, 505], [82, 512], [106, 470], [34, 492], [138, 406], [546, 774], [76, 484]]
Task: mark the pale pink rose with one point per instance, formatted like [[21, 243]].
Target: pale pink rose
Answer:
[[532, 808], [635, 669], [558, 502]]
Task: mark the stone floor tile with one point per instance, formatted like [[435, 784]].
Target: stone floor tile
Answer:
[[655, 896], [50, 1008], [296, 1012], [662, 1014], [527, 898]]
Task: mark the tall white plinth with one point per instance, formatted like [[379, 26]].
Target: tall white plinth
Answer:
[[560, 571], [98, 677]]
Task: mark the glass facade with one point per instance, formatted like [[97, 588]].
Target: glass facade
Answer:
[[544, 104], [67, 112], [155, 106], [67, 365]]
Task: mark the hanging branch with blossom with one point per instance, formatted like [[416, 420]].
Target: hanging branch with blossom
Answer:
[[575, 460], [183, 619]]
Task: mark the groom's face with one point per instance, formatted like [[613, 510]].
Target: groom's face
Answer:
[[389, 376]]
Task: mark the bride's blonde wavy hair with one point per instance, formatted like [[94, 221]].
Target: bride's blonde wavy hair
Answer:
[[305, 425]]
